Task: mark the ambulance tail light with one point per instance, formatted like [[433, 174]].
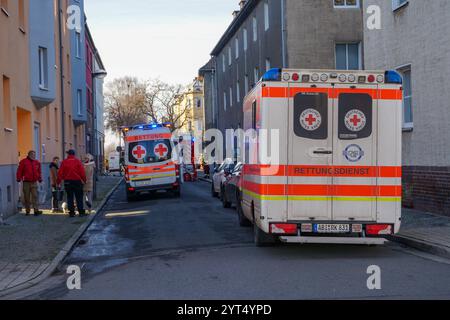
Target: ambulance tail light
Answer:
[[393, 76], [378, 229], [286, 229], [272, 75], [131, 189], [127, 174], [371, 78]]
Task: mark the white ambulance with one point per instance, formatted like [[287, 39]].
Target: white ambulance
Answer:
[[149, 162], [339, 175]]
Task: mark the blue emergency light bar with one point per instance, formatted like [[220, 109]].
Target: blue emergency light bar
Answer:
[[392, 76], [272, 75]]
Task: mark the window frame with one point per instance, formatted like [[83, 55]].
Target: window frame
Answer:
[[397, 4], [43, 68], [347, 55], [78, 44], [407, 126], [255, 29], [347, 6], [245, 36], [266, 16], [79, 102]]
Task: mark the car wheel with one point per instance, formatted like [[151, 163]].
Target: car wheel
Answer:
[[213, 191], [225, 202]]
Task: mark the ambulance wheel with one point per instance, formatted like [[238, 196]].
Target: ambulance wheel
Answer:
[[177, 193], [214, 194], [243, 221], [131, 197], [263, 239], [226, 204]]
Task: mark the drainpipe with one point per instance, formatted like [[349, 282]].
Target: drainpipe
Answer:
[[283, 33], [61, 65]]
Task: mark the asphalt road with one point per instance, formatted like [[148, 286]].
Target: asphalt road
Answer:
[[192, 248]]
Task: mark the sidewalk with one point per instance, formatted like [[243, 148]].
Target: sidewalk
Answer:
[[425, 231], [29, 245]]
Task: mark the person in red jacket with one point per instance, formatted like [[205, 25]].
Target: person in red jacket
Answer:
[[30, 174], [74, 177]]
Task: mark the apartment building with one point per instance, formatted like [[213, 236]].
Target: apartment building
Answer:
[[267, 34], [414, 39], [40, 79]]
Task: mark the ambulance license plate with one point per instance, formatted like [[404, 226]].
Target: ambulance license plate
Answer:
[[145, 183], [331, 228]]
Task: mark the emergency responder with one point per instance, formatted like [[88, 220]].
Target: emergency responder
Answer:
[[29, 174]]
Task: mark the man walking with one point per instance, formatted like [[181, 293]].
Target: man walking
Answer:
[[74, 177], [30, 174]]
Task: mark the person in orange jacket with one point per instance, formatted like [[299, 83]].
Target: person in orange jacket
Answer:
[[74, 177], [29, 174]]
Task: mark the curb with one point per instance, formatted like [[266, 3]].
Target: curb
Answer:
[[57, 261], [422, 245]]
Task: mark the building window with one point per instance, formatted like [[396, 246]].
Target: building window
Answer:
[[246, 84], [231, 96], [43, 68], [238, 92], [78, 44], [236, 46], [268, 64], [229, 56], [79, 102], [346, 3], [408, 119], [6, 101], [4, 5], [256, 75], [348, 56], [245, 40], [266, 16], [255, 29], [22, 15], [37, 140], [223, 63], [225, 101], [397, 4]]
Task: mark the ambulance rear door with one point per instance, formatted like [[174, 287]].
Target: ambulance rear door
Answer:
[[355, 153], [310, 152]]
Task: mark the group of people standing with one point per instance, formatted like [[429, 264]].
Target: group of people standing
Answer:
[[76, 176]]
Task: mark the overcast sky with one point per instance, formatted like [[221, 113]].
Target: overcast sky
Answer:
[[169, 39]]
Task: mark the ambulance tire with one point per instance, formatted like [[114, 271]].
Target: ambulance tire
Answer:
[[131, 197], [263, 239], [177, 193]]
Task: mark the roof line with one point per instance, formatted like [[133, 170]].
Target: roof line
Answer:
[[234, 26]]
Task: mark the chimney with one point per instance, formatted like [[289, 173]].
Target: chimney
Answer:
[[242, 4], [235, 13]]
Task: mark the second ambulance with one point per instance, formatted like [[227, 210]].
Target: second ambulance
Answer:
[[149, 162], [339, 175]]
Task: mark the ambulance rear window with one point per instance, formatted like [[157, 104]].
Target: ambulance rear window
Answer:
[[355, 116], [154, 151], [311, 115]]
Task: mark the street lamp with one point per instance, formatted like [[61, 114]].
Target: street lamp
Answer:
[[99, 74]]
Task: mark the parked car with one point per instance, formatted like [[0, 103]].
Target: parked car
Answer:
[[219, 176], [230, 193]]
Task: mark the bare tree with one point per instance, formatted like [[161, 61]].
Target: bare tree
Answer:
[[125, 102], [130, 102], [163, 104]]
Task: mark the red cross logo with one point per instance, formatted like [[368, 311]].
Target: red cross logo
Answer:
[[139, 152], [355, 120], [311, 120], [161, 150]]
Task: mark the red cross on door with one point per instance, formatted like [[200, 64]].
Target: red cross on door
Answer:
[[356, 120], [161, 150], [139, 152], [311, 120]]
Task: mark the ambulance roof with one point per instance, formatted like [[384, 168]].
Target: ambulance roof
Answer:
[[146, 129]]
